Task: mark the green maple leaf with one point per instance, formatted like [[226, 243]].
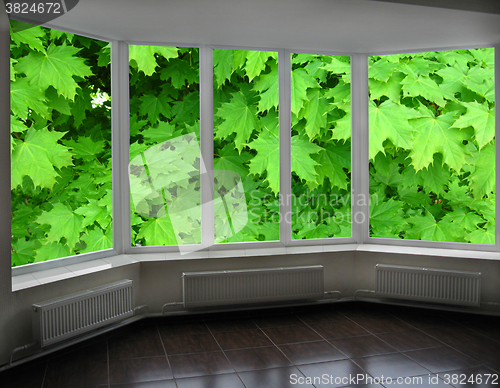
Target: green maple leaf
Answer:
[[482, 119], [340, 93], [342, 126], [38, 156], [23, 252], [426, 228], [436, 135], [159, 133], [56, 68], [415, 85], [332, 160], [239, 117], [391, 88], [223, 65], [85, 148], [268, 87], [64, 223], [97, 240], [483, 177], [313, 231], [92, 212], [179, 72], [158, 231], [336, 66], [255, 63], [301, 81], [51, 251], [25, 97], [483, 236], [302, 162], [390, 121], [81, 105], [434, 177], [229, 159], [381, 70], [145, 56], [315, 113], [463, 218], [57, 102], [153, 106], [30, 35], [387, 215]]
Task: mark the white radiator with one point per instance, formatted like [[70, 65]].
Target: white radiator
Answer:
[[215, 288], [429, 285], [68, 316]]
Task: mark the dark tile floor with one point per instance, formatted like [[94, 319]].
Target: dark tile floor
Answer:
[[342, 344]]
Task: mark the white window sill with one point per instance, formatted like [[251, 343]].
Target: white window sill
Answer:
[[24, 281]]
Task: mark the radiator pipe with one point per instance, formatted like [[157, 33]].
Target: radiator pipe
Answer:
[[170, 305], [24, 347], [366, 291], [144, 306], [334, 292]]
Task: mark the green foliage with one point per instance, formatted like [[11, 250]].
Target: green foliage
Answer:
[[432, 146], [61, 145]]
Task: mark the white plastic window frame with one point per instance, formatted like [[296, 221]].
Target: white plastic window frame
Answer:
[[359, 159], [365, 175]]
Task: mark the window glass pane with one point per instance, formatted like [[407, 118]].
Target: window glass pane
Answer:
[[432, 146], [164, 145], [61, 144], [321, 146], [246, 145]]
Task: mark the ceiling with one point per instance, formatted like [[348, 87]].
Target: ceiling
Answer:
[[340, 26]]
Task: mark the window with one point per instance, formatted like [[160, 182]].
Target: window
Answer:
[[61, 144], [431, 142], [432, 146], [246, 146], [321, 146], [164, 145]]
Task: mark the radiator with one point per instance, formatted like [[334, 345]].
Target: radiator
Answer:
[[68, 316], [215, 288], [429, 285]]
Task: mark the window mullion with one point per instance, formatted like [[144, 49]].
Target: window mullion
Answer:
[[359, 153], [120, 130], [285, 164], [207, 146]]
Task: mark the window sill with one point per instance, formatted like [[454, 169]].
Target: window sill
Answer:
[[29, 280]]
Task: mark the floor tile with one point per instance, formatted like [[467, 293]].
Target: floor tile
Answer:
[[424, 381], [390, 365], [220, 326], [277, 321], [422, 320], [311, 352], [409, 340], [441, 359], [378, 322], [331, 330], [242, 339], [274, 378], [333, 374], [453, 334], [121, 349], [135, 331], [183, 328], [183, 344], [199, 364], [148, 384], [139, 370], [316, 317], [25, 376], [73, 373], [485, 351], [367, 345], [291, 334], [215, 381], [256, 358]]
